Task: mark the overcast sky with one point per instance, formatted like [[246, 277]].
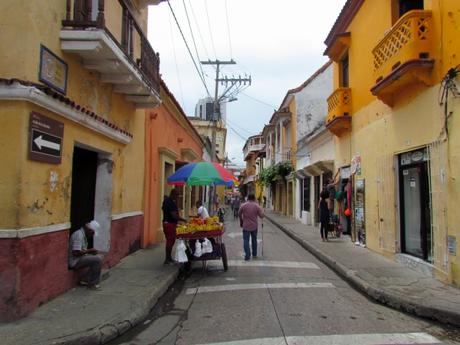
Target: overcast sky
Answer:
[[278, 43]]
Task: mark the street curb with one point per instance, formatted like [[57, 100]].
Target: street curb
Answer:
[[381, 295], [102, 334]]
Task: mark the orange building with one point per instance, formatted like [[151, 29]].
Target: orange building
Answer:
[[171, 141]]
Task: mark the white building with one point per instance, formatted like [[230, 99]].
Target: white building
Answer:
[[204, 109], [315, 145]]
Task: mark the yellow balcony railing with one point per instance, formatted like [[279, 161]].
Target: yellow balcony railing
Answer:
[[339, 109], [411, 38]]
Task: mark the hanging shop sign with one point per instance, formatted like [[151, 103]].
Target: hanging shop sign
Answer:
[[345, 172], [356, 165], [45, 139], [53, 70]]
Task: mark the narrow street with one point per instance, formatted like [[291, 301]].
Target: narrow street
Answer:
[[286, 296]]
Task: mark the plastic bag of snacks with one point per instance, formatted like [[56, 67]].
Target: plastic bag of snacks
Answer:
[[179, 254], [198, 251], [206, 246]]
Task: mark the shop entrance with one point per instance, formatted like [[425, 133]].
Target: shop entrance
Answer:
[[416, 235], [92, 193]]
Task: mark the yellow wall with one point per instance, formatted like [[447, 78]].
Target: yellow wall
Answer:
[[26, 198], [379, 133]]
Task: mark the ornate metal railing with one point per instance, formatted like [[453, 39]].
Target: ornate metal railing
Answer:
[[410, 38], [124, 31]]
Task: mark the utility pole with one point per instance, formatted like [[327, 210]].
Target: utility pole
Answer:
[[216, 109]]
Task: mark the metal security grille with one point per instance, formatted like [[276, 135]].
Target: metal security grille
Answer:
[[386, 204], [438, 199]]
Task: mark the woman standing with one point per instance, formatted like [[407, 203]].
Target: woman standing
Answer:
[[323, 214]]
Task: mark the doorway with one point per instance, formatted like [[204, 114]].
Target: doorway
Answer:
[[416, 234], [92, 194], [84, 169]]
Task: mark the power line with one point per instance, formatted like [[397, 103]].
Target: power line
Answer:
[[198, 28], [238, 134], [209, 28], [188, 48], [228, 30], [175, 60], [193, 37], [258, 100], [241, 128]]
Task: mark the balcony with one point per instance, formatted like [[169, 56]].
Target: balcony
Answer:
[[111, 42], [404, 56], [339, 108], [252, 148]]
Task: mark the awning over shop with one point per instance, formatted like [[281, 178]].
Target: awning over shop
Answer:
[[248, 179]]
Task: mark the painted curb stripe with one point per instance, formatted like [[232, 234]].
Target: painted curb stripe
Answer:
[[235, 287], [282, 264], [342, 339]]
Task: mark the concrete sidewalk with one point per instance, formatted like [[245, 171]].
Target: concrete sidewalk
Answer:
[[80, 316], [384, 280]]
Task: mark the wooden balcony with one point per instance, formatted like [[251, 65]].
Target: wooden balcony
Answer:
[[404, 56], [339, 109], [110, 41]]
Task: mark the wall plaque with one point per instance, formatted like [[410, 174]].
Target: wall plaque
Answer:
[[53, 70]]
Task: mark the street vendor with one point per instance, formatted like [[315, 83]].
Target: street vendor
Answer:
[[201, 210], [170, 219]]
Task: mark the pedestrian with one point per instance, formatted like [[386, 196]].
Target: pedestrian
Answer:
[[201, 210], [248, 214], [236, 207], [323, 214], [170, 219], [80, 256]]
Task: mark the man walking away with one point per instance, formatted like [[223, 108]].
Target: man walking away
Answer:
[[248, 214], [170, 219]]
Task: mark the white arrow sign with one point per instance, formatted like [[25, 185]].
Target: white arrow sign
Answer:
[[39, 141]]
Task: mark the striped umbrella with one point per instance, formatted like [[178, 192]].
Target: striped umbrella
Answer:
[[202, 174]]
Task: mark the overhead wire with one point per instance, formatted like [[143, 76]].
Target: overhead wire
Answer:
[[198, 28], [209, 28], [188, 49], [193, 36], [228, 30], [179, 82], [258, 100]]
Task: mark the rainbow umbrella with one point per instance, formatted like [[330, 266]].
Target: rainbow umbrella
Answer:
[[202, 174]]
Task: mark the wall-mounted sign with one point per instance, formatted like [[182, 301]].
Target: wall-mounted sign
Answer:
[[45, 139], [53, 70], [414, 157]]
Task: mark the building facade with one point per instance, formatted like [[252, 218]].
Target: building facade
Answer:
[[315, 149], [73, 94], [393, 115], [171, 141]]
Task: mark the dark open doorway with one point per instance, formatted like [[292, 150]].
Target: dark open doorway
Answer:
[[84, 168]]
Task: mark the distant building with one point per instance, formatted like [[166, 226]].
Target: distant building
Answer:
[[205, 107]]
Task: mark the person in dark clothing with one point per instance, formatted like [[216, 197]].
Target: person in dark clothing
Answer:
[[323, 214], [170, 219]]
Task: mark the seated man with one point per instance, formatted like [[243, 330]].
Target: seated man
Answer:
[[80, 256]]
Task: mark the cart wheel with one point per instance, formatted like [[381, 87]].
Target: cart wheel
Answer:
[[224, 256]]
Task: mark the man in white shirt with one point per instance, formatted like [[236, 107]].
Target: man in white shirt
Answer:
[[81, 256], [202, 211]]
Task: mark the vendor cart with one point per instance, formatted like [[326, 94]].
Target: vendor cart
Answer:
[[218, 246], [204, 174]]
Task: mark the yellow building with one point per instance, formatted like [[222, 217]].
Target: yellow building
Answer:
[[253, 154], [204, 128], [281, 147], [76, 77], [394, 115]]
